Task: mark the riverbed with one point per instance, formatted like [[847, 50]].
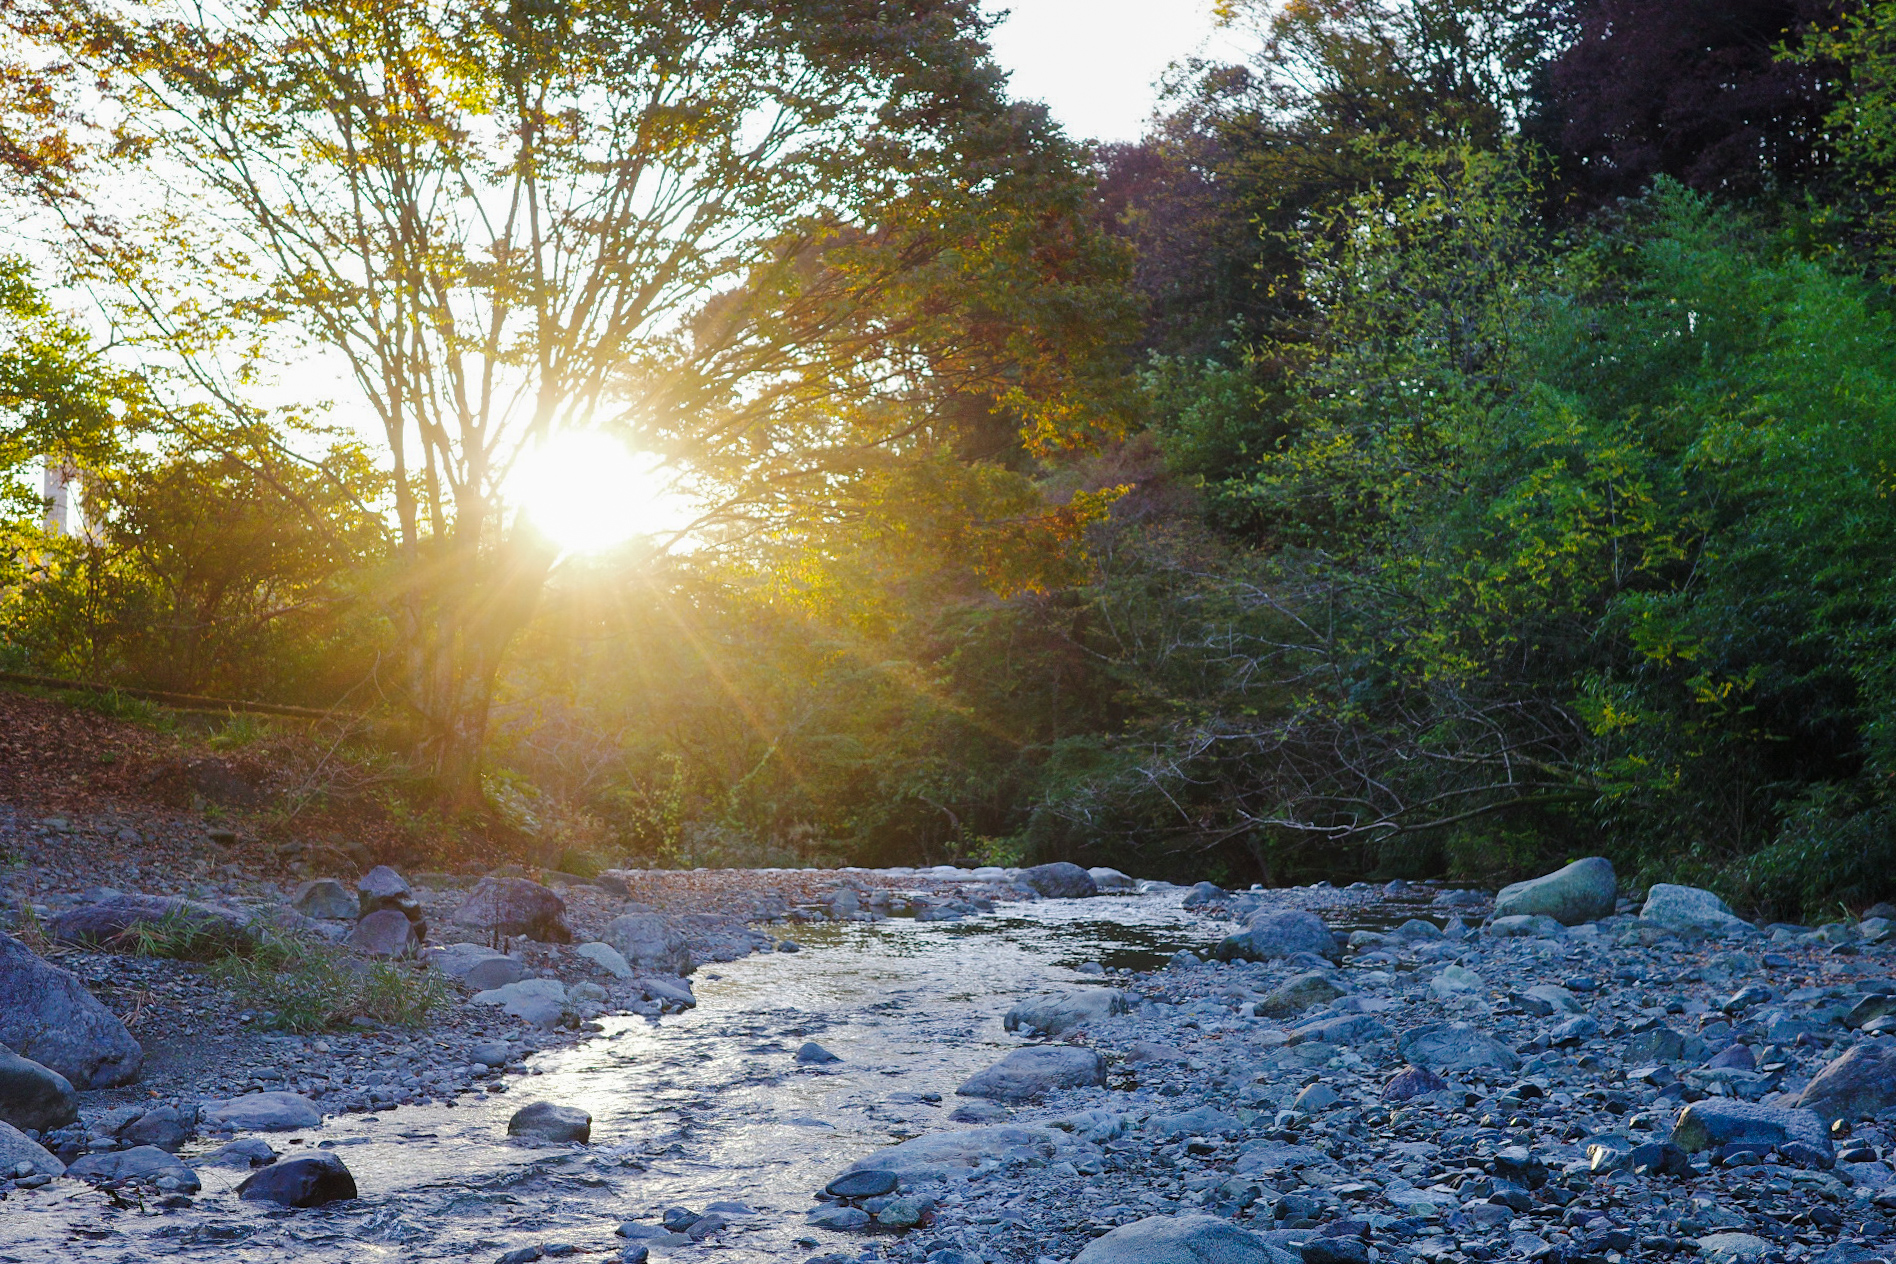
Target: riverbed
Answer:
[[708, 1107]]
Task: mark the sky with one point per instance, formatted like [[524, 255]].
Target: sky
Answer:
[[1094, 62]]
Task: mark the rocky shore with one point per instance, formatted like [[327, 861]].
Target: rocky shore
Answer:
[[1557, 1072], [1658, 1079]]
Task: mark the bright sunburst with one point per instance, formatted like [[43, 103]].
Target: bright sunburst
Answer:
[[589, 492]]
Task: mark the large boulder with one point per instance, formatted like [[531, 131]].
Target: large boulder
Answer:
[[1856, 1086], [138, 1163], [1689, 911], [47, 1015], [118, 922], [34, 1097], [1273, 934], [1725, 1121], [1060, 1012], [1111, 879], [1582, 892], [17, 1148], [944, 1156], [309, 1180], [324, 899], [385, 933], [1192, 1238], [1061, 880], [1026, 1074], [1455, 1047], [515, 906], [261, 1112], [649, 942]]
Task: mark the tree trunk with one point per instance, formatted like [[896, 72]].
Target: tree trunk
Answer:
[[463, 608]]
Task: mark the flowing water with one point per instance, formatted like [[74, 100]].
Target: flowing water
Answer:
[[709, 1106]]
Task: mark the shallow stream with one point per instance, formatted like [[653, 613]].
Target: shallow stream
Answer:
[[709, 1106]]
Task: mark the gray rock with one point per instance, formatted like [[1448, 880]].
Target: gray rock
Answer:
[[945, 1156], [16, 1148], [1316, 1097], [1298, 994], [33, 1096], [1199, 1121], [543, 1121], [607, 958], [1416, 930], [244, 1152], [1203, 893], [380, 888], [1026, 1074], [1111, 879], [1733, 1248], [1583, 891], [1690, 910], [1275, 934], [649, 942], [385, 933], [541, 1002], [309, 1180], [838, 1217], [1060, 880], [515, 906], [108, 924], [813, 1054], [1411, 1083], [47, 1015], [867, 1183], [1525, 926], [674, 994], [163, 1126], [1346, 1029], [1184, 1239], [325, 899], [494, 972], [139, 1162], [1057, 1013], [1718, 1121], [1455, 1047], [1656, 1044], [1856, 1086], [493, 1053], [455, 960], [261, 1112]]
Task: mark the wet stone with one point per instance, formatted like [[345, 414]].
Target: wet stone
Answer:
[[309, 1180], [545, 1121], [868, 1183]]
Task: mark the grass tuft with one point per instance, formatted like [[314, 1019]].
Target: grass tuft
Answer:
[[305, 986]]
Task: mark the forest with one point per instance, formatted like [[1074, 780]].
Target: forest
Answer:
[[1456, 439]]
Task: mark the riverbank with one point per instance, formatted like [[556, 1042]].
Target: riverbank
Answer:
[[1279, 1098]]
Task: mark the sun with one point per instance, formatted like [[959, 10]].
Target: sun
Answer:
[[588, 492]]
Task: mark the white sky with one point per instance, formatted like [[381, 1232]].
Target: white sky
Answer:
[[1094, 62]]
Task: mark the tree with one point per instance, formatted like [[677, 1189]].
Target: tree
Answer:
[[1697, 91], [773, 243]]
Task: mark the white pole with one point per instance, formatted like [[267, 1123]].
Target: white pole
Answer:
[[56, 494]]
